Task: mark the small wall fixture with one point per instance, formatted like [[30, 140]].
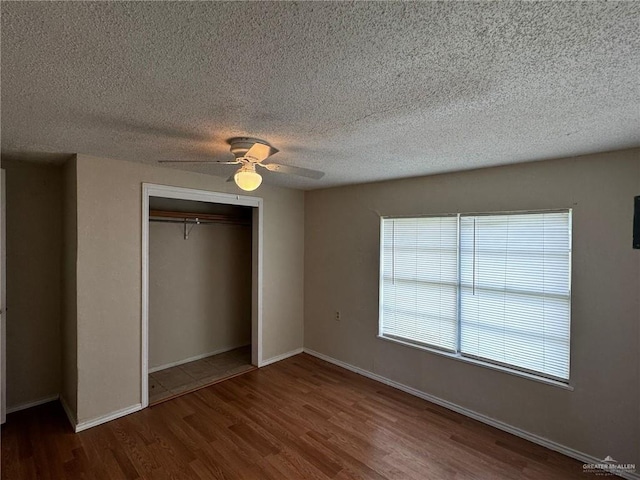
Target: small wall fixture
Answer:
[[247, 178]]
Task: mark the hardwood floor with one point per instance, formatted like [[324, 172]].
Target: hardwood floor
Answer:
[[301, 418]]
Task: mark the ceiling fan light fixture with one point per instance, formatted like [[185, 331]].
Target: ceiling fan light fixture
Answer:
[[249, 152], [247, 178]]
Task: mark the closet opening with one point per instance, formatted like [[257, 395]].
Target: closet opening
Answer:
[[201, 289]]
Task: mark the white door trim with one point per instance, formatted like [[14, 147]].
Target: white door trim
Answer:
[[165, 191], [3, 299]]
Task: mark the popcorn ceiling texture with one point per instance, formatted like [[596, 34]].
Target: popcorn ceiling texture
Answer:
[[363, 91]]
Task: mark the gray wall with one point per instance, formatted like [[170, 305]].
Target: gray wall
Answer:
[[199, 290], [601, 416], [34, 279], [109, 272]]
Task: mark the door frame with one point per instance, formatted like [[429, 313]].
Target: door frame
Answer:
[[180, 193], [3, 297]]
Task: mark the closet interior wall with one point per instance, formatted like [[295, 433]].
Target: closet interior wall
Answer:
[[199, 280]]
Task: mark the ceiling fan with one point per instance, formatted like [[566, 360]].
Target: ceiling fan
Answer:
[[248, 153]]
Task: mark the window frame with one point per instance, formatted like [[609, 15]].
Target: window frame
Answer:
[[457, 354]]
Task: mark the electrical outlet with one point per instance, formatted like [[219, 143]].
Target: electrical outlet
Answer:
[[338, 316]]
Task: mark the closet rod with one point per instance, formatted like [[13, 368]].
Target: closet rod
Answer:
[[195, 218], [192, 216], [193, 221], [184, 220]]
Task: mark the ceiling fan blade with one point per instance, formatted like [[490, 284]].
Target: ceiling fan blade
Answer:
[[258, 152], [231, 178], [230, 162], [301, 172]]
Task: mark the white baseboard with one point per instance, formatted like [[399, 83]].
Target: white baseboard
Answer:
[[551, 445], [197, 357], [277, 358], [70, 416], [35, 403], [107, 418]]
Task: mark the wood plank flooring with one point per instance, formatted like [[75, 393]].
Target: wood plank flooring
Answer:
[[300, 418]]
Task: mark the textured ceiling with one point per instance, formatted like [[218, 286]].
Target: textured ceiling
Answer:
[[363, 91]]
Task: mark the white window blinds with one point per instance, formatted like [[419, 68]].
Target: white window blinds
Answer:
[[515, 290], [419, 278], [493, 287]]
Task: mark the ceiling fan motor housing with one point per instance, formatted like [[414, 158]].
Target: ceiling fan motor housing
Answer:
[[241, 145]]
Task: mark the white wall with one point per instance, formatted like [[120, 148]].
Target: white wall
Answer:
[[602, 415], [34, 278], [199, 290], [109, 199]]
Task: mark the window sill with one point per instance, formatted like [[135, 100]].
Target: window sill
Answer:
[[473, 361]]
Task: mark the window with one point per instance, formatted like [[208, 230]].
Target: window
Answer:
[[490, 287]]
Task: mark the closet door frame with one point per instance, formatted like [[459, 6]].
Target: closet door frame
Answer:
[[166, 191]]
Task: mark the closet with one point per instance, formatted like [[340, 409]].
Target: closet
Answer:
[[199, 294]]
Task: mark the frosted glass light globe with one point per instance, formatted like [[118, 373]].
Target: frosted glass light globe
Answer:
[[248, 180]]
